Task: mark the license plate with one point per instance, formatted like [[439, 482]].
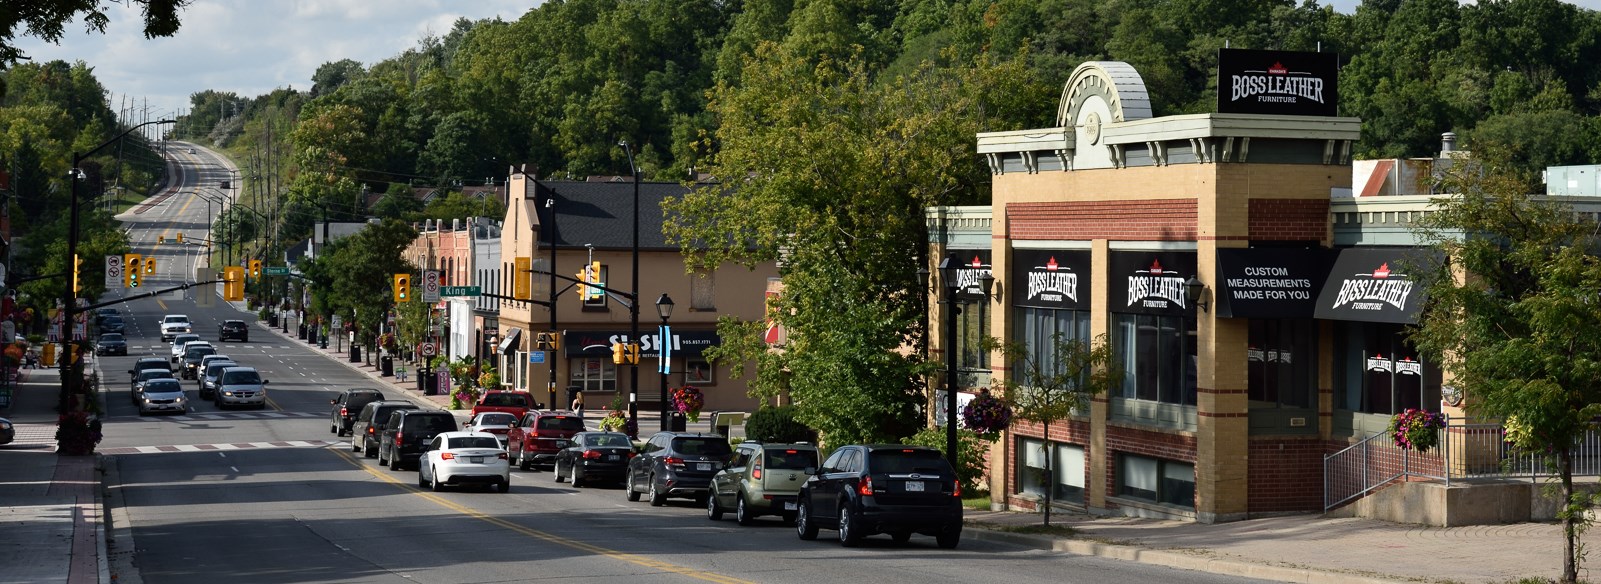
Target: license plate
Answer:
[[914, 486], [703, 466], [789, 506], [480, 460], [611, 457]]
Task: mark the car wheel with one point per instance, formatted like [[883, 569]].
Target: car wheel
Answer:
[[901, 537], [503, 487], [524, 463], [334, 429], [713, 512], [439, 486], [633, 494], [421, 482], [848, 534], [741, 513], [948, 540], [369, 451], [382, 460], [803, 522], [555, 473], [354, 445], [573, 477], [657, 497]]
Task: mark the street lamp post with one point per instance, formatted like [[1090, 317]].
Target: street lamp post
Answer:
[[664, 308], [633, 307], [952, 302], [68, 383]]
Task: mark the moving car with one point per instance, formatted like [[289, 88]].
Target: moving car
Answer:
[[213, 372], [497, 423], [594, 457], [189, 367], [161, 395], [173, 325], [178, 343], [539, 436], [676, 464], [112, 324], [233, 329], [348, 405], [8, 431], [111, 344], [103, 312], [240, 386], [761, 479], [147, 363], [408, 431], [145, 376], [516, 403], [461, 458], [882, 488], [364, 432]]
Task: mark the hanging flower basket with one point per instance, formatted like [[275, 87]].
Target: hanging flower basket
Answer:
[[1415, 429], [986, 414], [689, 401]]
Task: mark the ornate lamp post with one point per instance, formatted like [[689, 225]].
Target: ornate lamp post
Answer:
[[952, 300]]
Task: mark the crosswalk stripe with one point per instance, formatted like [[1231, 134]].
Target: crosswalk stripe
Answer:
[[220, 447]]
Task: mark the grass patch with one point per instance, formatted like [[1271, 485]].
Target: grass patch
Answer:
[[1038, 529], [977, 501]]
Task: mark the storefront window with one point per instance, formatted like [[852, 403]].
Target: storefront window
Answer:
[[1068, 467], [1038, 329], [1282, 362], [1378, 372], [594, 374], [972, 326], [1153, 479], [1157, 355]]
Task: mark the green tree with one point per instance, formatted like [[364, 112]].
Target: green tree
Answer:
[[47, 19], [1511, 317], [458, 205], [353, 279], [1054, 383]]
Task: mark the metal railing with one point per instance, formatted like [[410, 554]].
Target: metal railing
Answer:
[[1463, 451]]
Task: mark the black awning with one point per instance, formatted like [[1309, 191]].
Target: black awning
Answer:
[[509, 343], [1270, 282], [1376, 284]]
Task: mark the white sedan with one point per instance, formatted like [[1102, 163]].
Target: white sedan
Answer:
[[463, 458], [497, 423]]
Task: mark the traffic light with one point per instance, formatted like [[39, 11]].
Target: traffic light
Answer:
[[233, 283], [520, 283], [180, 237], [633, 353], [77, 263], [255, 268], [131, 267], [591, 292], [553, 340], [619, 353], [150, 266], [402, 288], [160, 239]]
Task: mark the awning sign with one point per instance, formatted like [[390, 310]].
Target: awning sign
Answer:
[[1270, 282], [1376, 285]]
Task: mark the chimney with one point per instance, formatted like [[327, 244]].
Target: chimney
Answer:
[[1447, 143]]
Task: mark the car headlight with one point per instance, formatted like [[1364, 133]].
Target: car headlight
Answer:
[[5, 425]]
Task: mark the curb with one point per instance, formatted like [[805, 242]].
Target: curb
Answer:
[[118, 566], [1198, 560]]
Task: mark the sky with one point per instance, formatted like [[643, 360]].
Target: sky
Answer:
[[251, 47]]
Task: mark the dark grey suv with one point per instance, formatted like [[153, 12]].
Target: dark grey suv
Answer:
[[676, 464], [348, 405], [368, 427], [882, 488], [407, 432]]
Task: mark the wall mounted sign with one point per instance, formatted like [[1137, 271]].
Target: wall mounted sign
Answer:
[[1057, 279], [972, 265], [1150, 282], [687, 344], [1269, 282], [1277, 82], [1375, 285]]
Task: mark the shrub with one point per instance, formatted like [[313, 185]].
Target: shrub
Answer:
[[970, 453], [777, 424]]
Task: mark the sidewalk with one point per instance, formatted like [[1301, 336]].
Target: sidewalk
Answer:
[[52, 528]]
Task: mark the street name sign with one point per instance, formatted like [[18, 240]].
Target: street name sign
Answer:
[[460, 290]]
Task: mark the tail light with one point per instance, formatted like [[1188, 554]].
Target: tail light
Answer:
[[372, 430], [756, 473], [399, 438], [593, 454], [957, 490], [343, 412], [632, 454], [866, 486], [452, 456], [502, 455], [673, 461]]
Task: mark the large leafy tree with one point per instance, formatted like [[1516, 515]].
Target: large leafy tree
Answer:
[[47, 19], [1513, 315], [353, 278]]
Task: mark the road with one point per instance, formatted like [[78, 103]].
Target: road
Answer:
[[271, 495]]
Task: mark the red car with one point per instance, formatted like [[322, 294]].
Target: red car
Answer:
[[515, 403], [540, 436]]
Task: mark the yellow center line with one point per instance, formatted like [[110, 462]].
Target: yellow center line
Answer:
[[635, 559]]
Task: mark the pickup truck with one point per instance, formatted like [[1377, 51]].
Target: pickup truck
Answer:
[[516, 403], [539, 436]]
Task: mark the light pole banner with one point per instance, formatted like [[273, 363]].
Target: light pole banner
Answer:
[[665, 363]]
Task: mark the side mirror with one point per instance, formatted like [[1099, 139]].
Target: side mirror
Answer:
[[811, 470], [334, 401], [264, 382]]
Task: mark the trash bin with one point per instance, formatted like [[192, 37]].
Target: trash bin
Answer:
[[426, 381], [272, 319], [355, 353], [677, 422], [300, 331], [387, 364]]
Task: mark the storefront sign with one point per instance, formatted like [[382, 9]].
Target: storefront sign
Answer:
[[686, 344], [972, 264], [1057, 279], [1269, 282], [1277, 82], [1373, 285], [1150, 282]]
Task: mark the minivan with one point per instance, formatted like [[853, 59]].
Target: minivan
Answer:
[[241, 386], [364, 432]]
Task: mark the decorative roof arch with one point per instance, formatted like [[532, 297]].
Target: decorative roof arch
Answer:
[[1105, 88]]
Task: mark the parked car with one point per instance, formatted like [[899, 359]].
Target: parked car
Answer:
[[161, 395], [594, 457], [676, 464], [173, 325], [178, 343], [882, 488], [147, 363], [240, 386], [516, 403], [539, 436], [189, 367], [233, 329], [213, 372], [461, 458], [112, 324], [497, 423], [8, 431], [761, 479], [364, 431], [407, 432], [348, 405], [111, 344], [144, 376]]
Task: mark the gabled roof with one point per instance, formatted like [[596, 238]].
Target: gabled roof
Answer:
[[602, 213]]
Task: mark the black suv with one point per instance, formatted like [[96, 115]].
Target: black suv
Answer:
[[347, 405], [233, 329], [882, 488], [407, 432], [677, 464], [147, 363], [368, 427]]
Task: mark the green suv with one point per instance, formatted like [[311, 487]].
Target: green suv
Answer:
[[761, 479]]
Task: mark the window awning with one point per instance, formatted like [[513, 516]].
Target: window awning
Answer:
[[1376, 285], [509, 343]]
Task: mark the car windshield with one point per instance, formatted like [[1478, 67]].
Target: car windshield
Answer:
[[180, 340], [473, 442], [432, 423], [496, 419], [506, 399], [111, 337], [607, 440], [155, 374], [157, 363], [176, 320], [701, 446], [573, 423], [238, 377], [163, 386], [791, 459], [215, 369], [908, 460], [195, 353]]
